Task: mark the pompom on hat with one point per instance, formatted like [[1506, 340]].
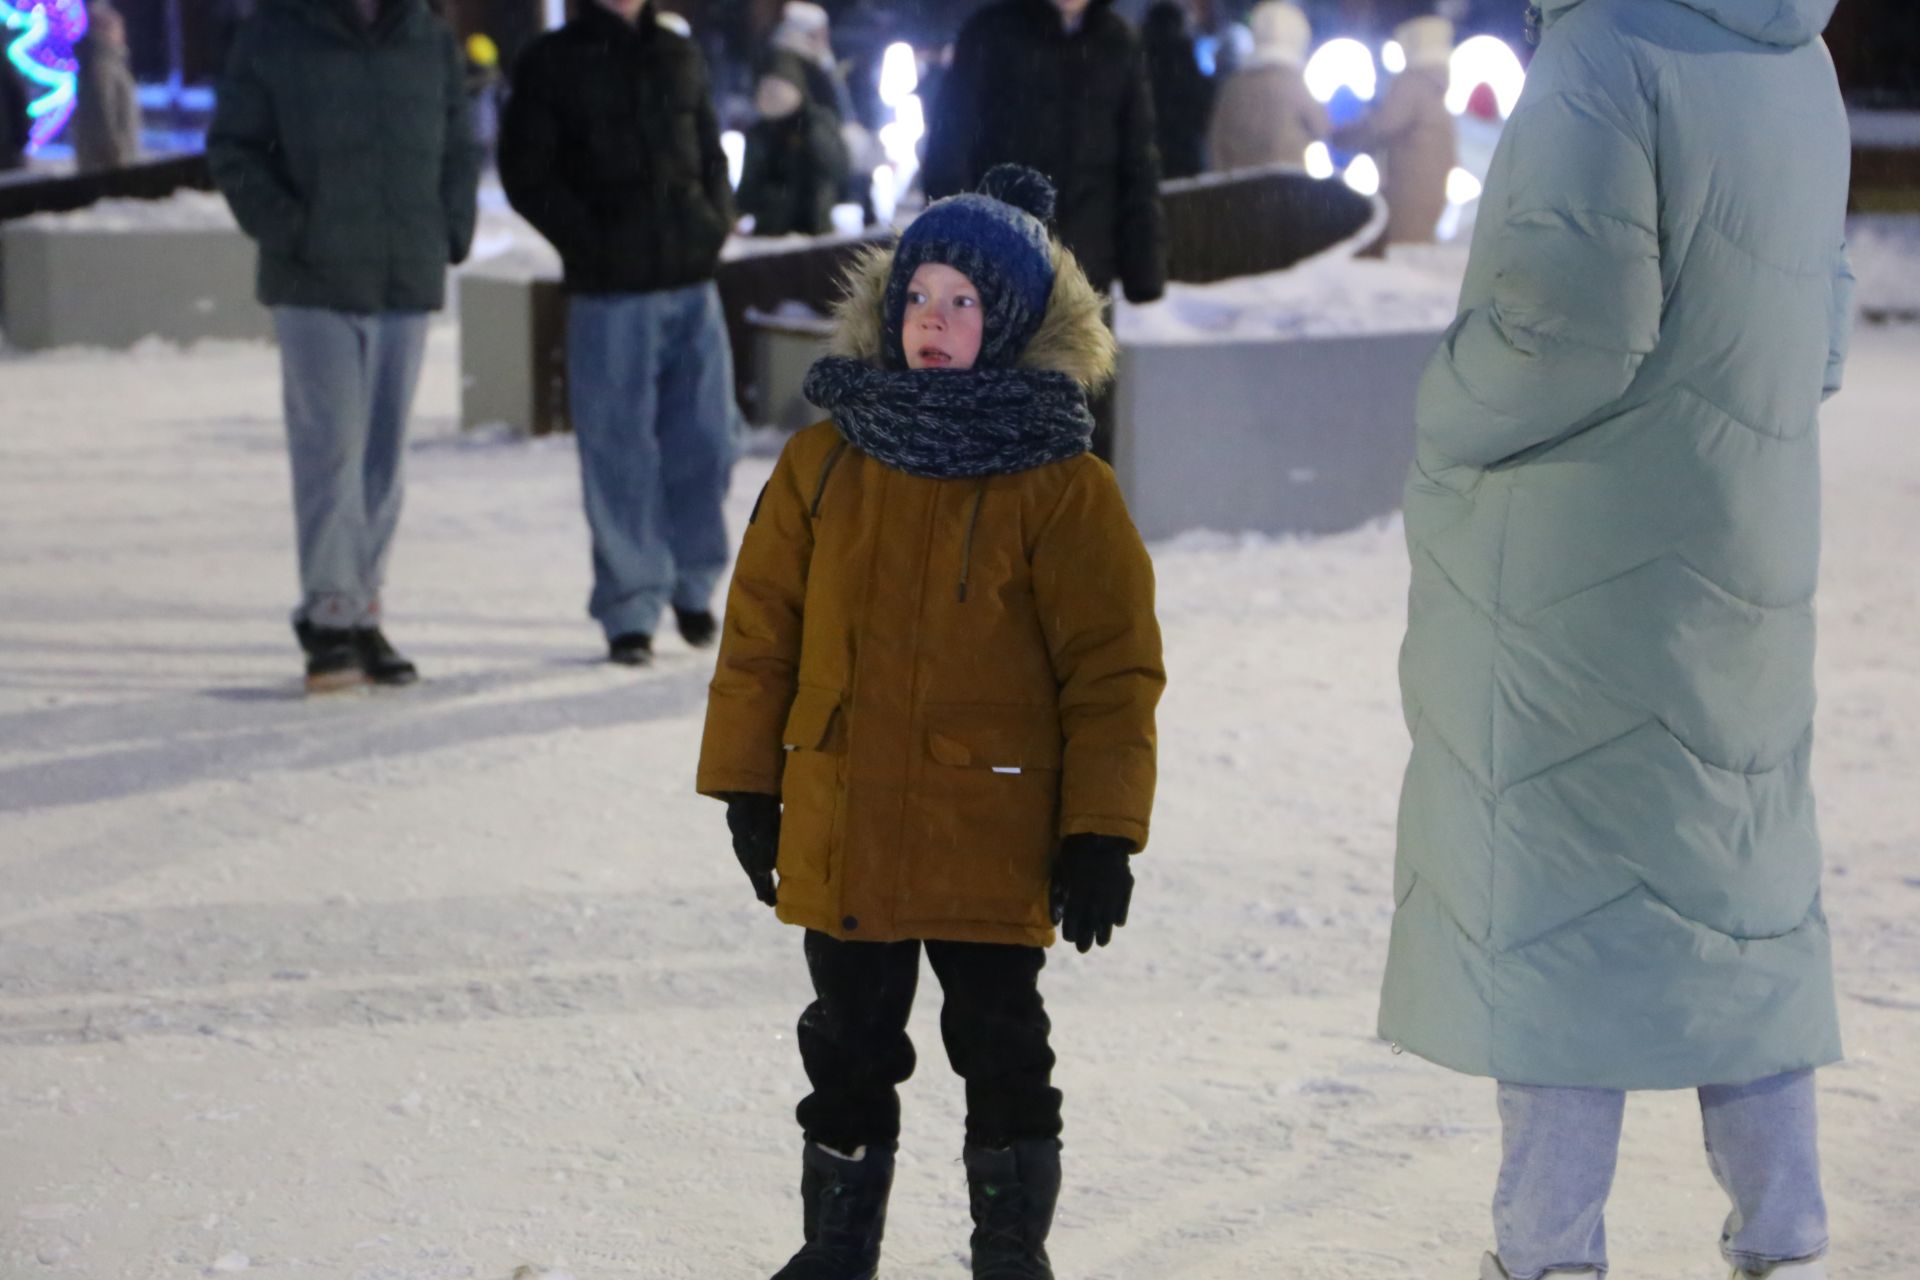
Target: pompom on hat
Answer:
[[997, 238]]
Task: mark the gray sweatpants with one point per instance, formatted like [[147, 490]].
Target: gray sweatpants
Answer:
[[347, 382]]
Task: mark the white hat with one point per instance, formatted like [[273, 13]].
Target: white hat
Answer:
[[803, 17], [1281, 32], [1428, 41]]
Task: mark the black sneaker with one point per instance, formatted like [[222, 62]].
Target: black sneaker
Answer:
[[697, 626], [633, 649], [333, 660], [383, 663]]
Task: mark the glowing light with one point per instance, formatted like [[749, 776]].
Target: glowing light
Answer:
[[734, 143], [886, 193], [1462, 187], [900, 141], [849, 219], [1489, 61], [42, 52], [1363, 175], [1342, 64], [899, 74], [1319, 160], [1393, 57]]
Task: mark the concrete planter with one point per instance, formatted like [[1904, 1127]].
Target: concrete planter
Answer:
[[513, 353], [111, 288], [1300, 435]]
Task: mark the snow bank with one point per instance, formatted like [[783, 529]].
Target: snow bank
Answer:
[[506, 246], [182, 211], [1414, 289]]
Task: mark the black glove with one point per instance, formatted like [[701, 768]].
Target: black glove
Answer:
[[754, 820], [1092, 885]]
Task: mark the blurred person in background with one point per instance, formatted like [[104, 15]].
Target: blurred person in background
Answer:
[[798, 161], [341, 139], [1182, 92], [1265, 114], [106, 113], [1411, 134], [1060, 86], [610, 147]]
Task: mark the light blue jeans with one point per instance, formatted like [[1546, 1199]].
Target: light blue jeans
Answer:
[[1559, 1149], [347, 384], [650, 387]]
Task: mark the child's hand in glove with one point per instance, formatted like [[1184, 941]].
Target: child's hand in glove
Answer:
[[754, 820], [1092, 885]]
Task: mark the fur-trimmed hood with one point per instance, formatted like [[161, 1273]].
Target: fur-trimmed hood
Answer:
[[1073, 337]]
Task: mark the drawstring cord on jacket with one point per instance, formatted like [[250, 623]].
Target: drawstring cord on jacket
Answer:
[[973, 520], [973, 523], [826, 470]]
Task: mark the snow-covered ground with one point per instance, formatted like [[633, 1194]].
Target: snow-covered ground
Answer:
[[464, 979]]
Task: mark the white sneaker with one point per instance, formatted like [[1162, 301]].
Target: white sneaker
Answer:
[[1490, 1269], [1811, 1269]]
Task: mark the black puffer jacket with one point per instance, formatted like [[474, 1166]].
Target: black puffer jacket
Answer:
[[1075, 106], [1182, 93], [610, 147], [347, 154]]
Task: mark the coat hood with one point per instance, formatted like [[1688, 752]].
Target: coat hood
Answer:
[[1282, 34], [1072, 339], [1788, 23]]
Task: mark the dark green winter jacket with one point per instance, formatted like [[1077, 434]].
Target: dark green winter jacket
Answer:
[[347, 154]]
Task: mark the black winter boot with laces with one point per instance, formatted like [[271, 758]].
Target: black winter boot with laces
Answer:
[[1012, 1192], [844, 1205]]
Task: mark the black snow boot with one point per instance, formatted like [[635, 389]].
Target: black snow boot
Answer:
[[697, 626], [844, 1204], [383, 663], [1012, 1192], [333, 660], [631, 649]]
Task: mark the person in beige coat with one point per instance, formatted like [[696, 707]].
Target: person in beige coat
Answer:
[[1265, 114], [106, 116], [1411, 133]]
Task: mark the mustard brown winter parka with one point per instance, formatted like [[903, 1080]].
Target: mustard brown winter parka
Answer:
[[939, 677]]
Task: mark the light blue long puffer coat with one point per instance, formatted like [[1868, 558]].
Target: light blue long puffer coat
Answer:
[[1609, 870]]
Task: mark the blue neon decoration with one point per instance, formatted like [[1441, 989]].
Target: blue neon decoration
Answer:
[[42, 52]]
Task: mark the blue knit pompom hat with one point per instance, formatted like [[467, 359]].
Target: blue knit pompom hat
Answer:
[[997, 238]]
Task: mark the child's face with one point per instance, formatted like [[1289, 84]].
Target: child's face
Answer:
[[941, 329]]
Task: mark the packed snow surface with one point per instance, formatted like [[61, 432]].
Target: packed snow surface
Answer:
[[463, 981]]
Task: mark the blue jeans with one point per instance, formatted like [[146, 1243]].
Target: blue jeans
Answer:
[[347, 384], [650, 386], [1559, 1147]]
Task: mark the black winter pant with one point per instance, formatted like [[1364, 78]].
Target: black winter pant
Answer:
[[853, 1039]]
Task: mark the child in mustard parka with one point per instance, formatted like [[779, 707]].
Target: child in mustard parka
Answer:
[[933, 712]]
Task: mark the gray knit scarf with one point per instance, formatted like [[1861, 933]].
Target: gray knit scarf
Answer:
[[954, 423]]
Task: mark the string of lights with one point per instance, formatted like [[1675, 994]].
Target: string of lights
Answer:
[[40, 38]]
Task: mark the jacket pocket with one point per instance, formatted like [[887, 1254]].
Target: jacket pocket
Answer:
[[985, 736], [811, 785], [987, 813]]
